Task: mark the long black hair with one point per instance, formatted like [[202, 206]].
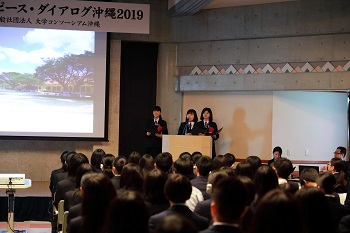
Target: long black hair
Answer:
[[210, 112]]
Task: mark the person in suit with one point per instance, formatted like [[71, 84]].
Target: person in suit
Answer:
[[228, 203], [62, 169], [155, 128], [203, 168], [335, 166], [118, 164], [96, 158], [187, 126], [178, 189], [208, 127], [276, 153]]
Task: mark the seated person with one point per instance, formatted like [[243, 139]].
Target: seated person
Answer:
[[203, 168], [308, 177], [178, 189]]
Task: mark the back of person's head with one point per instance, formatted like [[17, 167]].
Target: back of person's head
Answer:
[[131, 178], [186, 155], [284, 167], [337, 163], [195, 156], [280, 206], [309, 175], [244, 168], [218, 161], [146, 164], [164, 161], [178, 188], [229, 159], [175, 223], [96, 186], [184, 166], [127, 214], [213, 179], [68, 157], [118, 163], [265, 180], [96, 158], [82, 170], [204, 165], [134, 157], [75, 161], [63, 158], [254, 161], [228, 170], [229, 198], [326, 182], [315, 209], [342, 150], [277, 149], [107, 164], [153, 186], [249, 185]]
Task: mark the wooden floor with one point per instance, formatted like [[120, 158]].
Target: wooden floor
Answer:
[[38, 189]]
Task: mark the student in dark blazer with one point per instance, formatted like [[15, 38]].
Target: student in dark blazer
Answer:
[[187, 126], [208, 127], [178, 189], [155, 128], [228, 203]]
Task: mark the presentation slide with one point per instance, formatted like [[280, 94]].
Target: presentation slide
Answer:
[[52, 83]]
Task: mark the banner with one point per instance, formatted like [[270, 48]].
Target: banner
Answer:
[[76, 15]]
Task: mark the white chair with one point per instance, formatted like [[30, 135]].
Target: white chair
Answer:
[[60, 215], [64, 223], [342, 197]]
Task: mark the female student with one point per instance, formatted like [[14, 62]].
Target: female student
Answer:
[[208, 127], [187, 126], [155, 128]]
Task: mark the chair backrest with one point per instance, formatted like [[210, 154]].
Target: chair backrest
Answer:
[[60, 212], [64, 223], [342, 197]]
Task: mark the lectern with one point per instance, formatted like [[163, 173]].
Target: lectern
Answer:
[[176, 144], [10, 191]]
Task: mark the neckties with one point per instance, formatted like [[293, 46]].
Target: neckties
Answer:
[[156, 122], [206, 124]]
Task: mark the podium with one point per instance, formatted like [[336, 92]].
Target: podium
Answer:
[[10, 191], [176, 144]]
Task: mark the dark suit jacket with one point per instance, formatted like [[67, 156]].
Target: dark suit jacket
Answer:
[[154, 143], [338, 210], [203, 209], [184, 129], [74, 211], [156, 208], [116, 182], [63, 187], [200, 125], [270, 162], [53, 181], [222, 229], [200, 182], [75, 224], [72, 198], [344, 224], [200, 222]]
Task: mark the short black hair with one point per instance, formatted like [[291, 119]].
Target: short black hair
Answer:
[[156, 108], [284, 167], [134, 157], [184, 166], [204, 165], [178, 188], [342, 150], [119, 162], [230, 198], [326, 181], [218, 161], [164, 161], [338, 164], [308, 174], [229, 160], [278, 149]]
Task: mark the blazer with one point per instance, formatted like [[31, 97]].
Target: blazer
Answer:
[[53, 182], [222, 229], [200, 182], [198, 221], [184, 129], [203, 209], [200, 125], [63, 187], [116, 182], [153, 140]]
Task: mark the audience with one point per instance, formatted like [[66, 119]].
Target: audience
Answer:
[[276, 153], [184, 166], [127, 214], [98, 192], [146, 164], [228, 202], [156, 195], [96, 158], [203, 168], [107, 164], [118, 164], [153, 187], [178, 189]]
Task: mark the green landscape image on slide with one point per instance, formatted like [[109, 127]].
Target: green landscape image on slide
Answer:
[[46, 80]]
